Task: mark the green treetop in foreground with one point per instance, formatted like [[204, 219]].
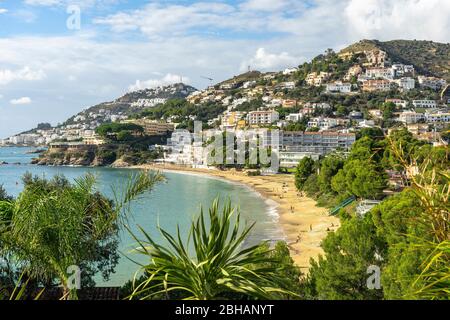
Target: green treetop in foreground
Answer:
[[55, 224], [406, 236]]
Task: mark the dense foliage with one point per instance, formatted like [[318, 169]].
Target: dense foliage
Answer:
[[405, 237], [361, 173], [119, 131], [54, 225]]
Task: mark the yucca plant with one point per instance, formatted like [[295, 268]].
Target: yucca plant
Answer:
[[212, 264]]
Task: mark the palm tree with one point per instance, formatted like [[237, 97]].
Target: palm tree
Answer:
[[54, 225], [215, 267]]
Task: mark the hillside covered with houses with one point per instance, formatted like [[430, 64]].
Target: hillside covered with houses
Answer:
[[318, 107]]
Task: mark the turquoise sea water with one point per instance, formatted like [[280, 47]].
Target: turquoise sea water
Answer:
[[170, 204]]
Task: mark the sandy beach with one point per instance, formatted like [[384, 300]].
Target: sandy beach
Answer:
[[304, 224]]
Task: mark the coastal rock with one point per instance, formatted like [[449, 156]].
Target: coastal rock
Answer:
[[81, 162], [120, 163], [42, 162], [99, 162]]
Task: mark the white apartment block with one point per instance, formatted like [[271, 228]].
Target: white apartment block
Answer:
[[410, 117], [432, 82], [383, 73], [425, 104], [290, 159], [323, 105], [289, 71], [406, 83], [322, 123], [340, 87], [294, 117], [439, 117], [402, 69], [263, 117], [316, 142]]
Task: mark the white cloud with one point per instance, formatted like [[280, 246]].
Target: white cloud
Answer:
[[3, 10], [153, 83], [42, 2], [27, 16], [265, 5], [158, 19], [20, 101], [263, 60], [26, 74], [81, 3], [400, 19]]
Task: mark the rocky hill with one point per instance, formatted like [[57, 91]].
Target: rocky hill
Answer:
[[428, 57]]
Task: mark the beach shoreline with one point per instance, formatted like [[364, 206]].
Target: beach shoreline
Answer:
[[303, 223]]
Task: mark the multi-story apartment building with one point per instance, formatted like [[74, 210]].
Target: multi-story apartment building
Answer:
[[380, 73], [406, 83], [339, 86], [315, 106], [402, 69], [152, 127], [438, 117], [289, 159], [263, 117], [376, 85], [95, 140], [316, 142], [432, 82], [425, 104], [410, 117]]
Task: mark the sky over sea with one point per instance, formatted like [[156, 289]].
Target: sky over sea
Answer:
[[58, 57]]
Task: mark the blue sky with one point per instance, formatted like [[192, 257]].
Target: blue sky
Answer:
[[49, 72]]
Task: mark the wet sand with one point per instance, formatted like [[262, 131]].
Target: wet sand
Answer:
[[305, 225]]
